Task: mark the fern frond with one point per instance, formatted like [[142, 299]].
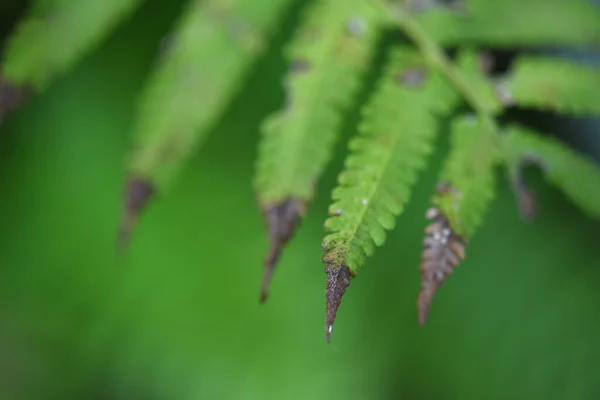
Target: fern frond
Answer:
[[553, 84], [57, 34], [213, 47], [510, 23], [395, 138], [443, 250], [574, 174], [328, 57], [463, 195], [471, 65]]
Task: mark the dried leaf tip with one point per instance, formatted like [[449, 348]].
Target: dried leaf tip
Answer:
[[443, 250], [10, 97], [138, 193], [282, 219], [338, 280], [523, 194], [525, 199]]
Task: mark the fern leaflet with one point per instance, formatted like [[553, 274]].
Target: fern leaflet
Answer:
[[471, 65], [510, 23], [462, 198], [572, 173], [395, 137], [56, 35], [328, 57], [555, 84], [212, 49]]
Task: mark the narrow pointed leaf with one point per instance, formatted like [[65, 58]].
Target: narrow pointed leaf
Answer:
[[328, 57], [510, 23], [211, 51], [471, 64], [395, 138], [56, 35], [576, 175], [443, 250], [463, 196], [553, 84]]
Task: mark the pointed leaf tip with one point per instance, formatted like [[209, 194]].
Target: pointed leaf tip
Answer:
[[338, 280], [443, 251], [525, 201], [10, 97], [282, 219], [138, 193]]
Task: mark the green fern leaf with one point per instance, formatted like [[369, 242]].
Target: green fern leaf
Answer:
[[510, 23], [553, 84], [471, 65], [56, 35], [396, 136], [467, 178], [328, 57], [463, 195], [210, 53], [574, 174]]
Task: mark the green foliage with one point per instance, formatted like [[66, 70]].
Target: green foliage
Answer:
[[511, 23], [57, 34], [467, 178], [471, 64], [575, 175], [553, 84], [203, 64], [328, 57], [382, 167], [201, 69]]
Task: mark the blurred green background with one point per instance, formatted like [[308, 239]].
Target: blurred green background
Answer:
[[180, 319]]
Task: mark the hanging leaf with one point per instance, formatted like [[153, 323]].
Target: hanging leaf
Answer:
[[553, 84], [211, 51], [511, 23], [328, 57], [462, 197], [395, 138], [577, 176], [56, 35]]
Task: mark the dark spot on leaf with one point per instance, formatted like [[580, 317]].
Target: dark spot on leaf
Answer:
[[420, 6], [299, 66], [412, 77], [338, 280], [443, 250], [282, 219], [138, 192], [10, 97], [357, 27], [445, 187]]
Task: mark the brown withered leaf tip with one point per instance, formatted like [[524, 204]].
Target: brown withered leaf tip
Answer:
[[282, 219], [10, 97], [138, 193], [338, 280], [443, 250], [524, 197]]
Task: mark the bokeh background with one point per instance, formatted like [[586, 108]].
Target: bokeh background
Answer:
[[180, 319]]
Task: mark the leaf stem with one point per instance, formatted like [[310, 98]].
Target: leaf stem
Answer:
[[438, 59]]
